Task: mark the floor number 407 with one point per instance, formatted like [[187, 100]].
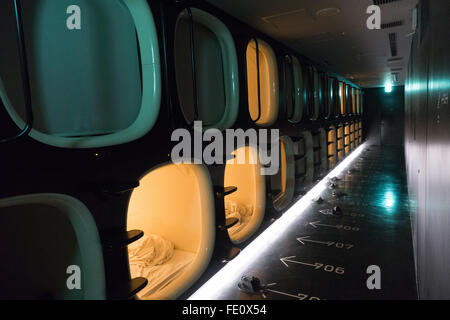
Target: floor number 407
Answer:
[[340, 245]]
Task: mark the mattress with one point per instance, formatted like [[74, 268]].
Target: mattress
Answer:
[[160, 276]]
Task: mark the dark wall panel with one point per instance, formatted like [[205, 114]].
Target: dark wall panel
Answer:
[[372, 116], [383, 117], [392, 117], [427, 148]]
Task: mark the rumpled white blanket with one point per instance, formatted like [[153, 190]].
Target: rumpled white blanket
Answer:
[[155, 258], [150, 250], [239, 211]]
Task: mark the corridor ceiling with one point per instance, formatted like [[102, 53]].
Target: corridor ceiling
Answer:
[[334, 33]]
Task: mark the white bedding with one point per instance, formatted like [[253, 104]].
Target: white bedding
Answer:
[[239, 211], [150, 250], [170, 263]]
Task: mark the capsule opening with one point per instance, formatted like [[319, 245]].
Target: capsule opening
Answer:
[[263, 101], [292, 89], [304, 161], [352, 136], [340, 142], [360, 137], [347, 139], [206, 70], [247, 203], [53, 236], [313, 88], [110, 93], [342, 98], [332, 147], [320, 152], [283, 183], [174, 206]]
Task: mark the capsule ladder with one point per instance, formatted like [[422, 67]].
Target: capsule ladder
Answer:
[[119, 240], [113, 242], [128, 289], [224, 191]]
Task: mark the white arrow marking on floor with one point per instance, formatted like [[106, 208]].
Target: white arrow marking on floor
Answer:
[[301, 239], [288, 259], [317, 223], [284, 294]]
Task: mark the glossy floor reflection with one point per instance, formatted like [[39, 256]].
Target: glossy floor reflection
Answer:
[[326, 256]]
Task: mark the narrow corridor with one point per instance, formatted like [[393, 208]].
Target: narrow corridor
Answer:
[[326, 256]]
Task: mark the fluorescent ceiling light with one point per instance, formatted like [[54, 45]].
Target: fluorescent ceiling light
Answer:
[[388, 86], [231, 273]]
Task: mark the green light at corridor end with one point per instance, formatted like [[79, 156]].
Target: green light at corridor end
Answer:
[[388, 87]]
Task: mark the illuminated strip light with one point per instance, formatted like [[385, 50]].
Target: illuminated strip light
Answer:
[[213, 287]]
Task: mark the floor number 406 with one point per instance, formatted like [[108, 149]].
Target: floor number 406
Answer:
[[330, 268]]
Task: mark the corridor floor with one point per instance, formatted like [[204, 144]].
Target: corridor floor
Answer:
[[326, 256]]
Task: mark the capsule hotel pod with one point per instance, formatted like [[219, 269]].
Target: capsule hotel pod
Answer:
[[304, 161], [94, 87], [354, 101], [292, 90], [348, 100], [360, 130], [340, 141], [342, 97], [352, 135], [332, 153], [174, 207], [206, 70], [50, 249], [282, 184], [319, 138], [326, 96], [262, 83], [347, 139], [246, 205], [313, 88]]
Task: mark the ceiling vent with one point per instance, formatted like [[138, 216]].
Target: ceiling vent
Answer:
[[395, 59], [393, 24], [382, 2], [393, 43]]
